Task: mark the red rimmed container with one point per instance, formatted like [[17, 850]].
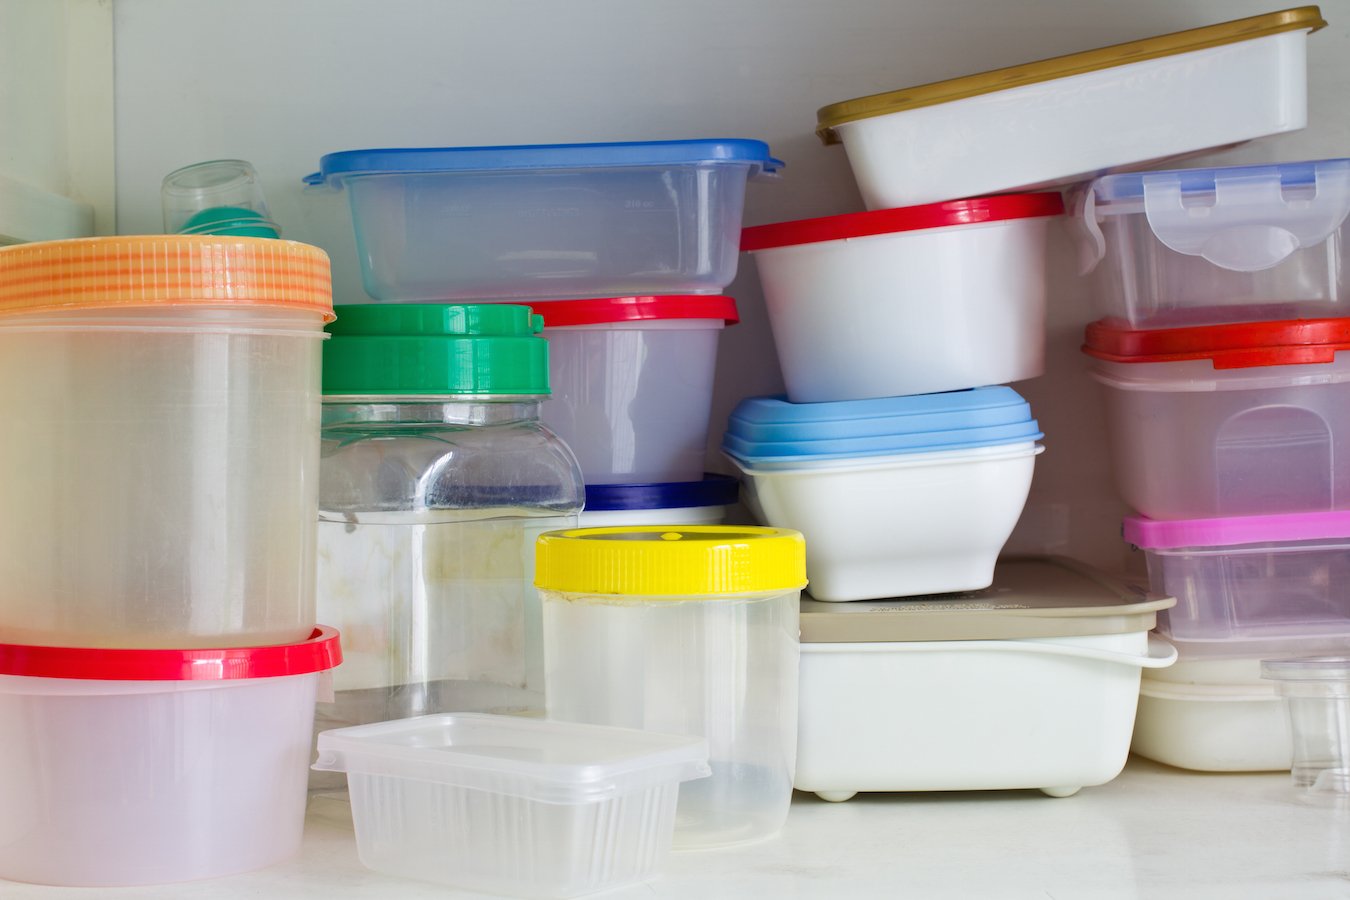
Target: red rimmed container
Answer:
[[632, 381], [1227, 420], [915, 300], [134, 767]]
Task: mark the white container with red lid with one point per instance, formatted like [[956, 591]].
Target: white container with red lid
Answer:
[[916, 300], [632, 381], [134, 767]]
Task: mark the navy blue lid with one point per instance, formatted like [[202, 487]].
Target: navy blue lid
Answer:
[[333, 167], [1130, 185], [713, 490], [763, 429]]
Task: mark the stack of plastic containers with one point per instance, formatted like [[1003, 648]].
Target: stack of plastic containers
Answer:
[[1226, 383], [159, 658]]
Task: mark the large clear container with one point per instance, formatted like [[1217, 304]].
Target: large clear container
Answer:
[[1210, 246], [1317, 693], [512, 806], [430, 501], [161, 455], [542, 222], [684, 630]]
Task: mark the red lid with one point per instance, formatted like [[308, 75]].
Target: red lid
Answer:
[[906, 218], [562, 313], [317, 654], [1243, 345]]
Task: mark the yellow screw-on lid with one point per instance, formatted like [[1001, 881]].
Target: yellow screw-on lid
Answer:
[[164, 270], [674, 560]]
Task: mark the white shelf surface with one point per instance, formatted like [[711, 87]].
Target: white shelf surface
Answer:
[[1154, 832]]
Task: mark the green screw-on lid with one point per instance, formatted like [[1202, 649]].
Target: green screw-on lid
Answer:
[[435, 348]]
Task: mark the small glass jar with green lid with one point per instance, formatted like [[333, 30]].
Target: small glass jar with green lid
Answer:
[[436, 477]]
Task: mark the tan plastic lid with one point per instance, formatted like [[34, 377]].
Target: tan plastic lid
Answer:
[[1303, 17], [1030, 598], [164, 270]]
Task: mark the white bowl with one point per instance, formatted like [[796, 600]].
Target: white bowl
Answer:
[[1213, 727], [907, 301], [1070, 118]]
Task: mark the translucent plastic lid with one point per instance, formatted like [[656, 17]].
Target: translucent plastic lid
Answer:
[[1303, 18], [319, 653], [565, 313], [1152, 534], [335, 167], [1030, 598], [686, 561], [550, 762], [1241, 218], [713, 490], [763, 429], [164, 270], [907, 218], [1242, 345]]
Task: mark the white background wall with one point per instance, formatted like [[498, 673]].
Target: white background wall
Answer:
[[281, 82]]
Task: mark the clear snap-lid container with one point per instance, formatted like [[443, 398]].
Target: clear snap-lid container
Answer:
[[512, 805], [163, 450], [684, 630], [547, 221], [1211, 246]]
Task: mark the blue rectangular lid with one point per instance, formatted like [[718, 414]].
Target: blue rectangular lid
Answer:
[[334, 167], [1130, 185]]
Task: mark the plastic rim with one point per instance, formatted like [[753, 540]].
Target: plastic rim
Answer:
[[321, 651], [1129, 186], [567, 313], [1244, 345], [435, 348], [978, 210], [333, 167], [1301, 18], [713, 490], [163, 271], [1151, 534], [671, 561], [1308, 668]]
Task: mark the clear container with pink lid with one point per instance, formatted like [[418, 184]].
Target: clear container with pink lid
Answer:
[[1251, 585]]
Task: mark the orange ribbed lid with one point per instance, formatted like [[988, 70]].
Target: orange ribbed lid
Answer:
[[164, 270]]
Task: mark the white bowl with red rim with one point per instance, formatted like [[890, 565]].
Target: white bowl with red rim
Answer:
[[915, 300], [133, 767], [632, 381]]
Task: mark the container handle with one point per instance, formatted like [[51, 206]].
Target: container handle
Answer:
[[1160, 653]]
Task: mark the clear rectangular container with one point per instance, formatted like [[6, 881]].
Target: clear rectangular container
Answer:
[[512, 806], [1212, 246], [1250, 585], [540, 222]]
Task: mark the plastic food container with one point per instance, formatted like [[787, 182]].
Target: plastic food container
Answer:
[[513, 806], [689, 630], [1317, 694], [540, 222], [1211, 246], [1227, 420], [1069, 118], [684, 503], [1212, 716], [1252, 585], [907, 301], [632, 383], [896, 497], [132, 767], [1029, 684], [164, 450], [436, 478]]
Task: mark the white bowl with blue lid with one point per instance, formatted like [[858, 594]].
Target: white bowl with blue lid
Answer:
[[550, 221]]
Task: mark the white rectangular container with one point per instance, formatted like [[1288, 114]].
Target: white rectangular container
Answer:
[[1069, 118], [1031, 684], [514, 806]]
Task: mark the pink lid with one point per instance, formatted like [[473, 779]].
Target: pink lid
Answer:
[[320, 652], [601, 310], [1151, 534]]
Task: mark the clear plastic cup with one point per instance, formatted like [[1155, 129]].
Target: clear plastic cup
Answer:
[[1317, 692], [222, 196]]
